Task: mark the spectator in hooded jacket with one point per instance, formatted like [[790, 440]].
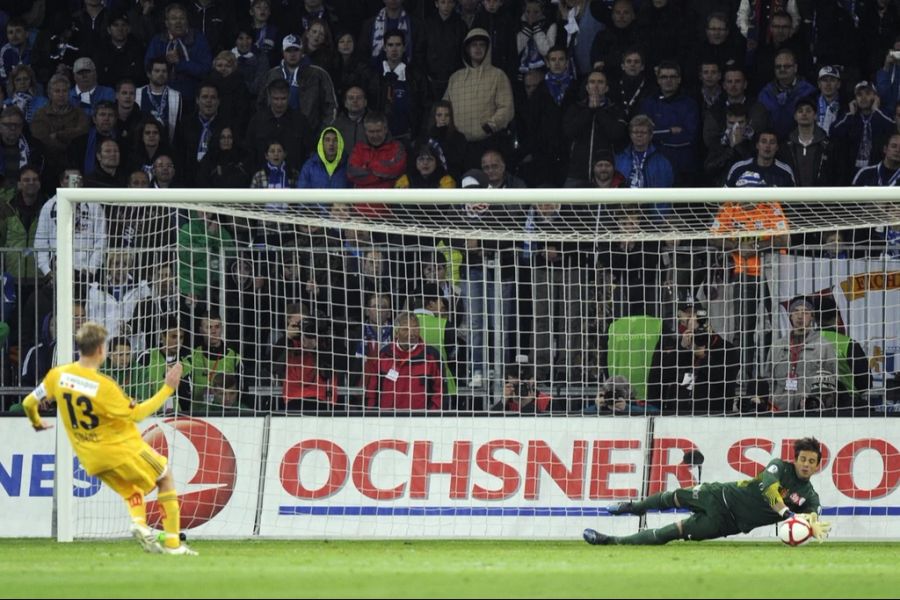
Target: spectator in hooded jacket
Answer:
[[481, 95], [327, 167]]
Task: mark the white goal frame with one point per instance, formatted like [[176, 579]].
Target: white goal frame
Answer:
[[182, 198]]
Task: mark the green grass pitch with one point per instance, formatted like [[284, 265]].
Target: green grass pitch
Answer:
[[423, 569]]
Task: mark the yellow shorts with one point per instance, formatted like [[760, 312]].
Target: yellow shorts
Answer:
[[138, 474]]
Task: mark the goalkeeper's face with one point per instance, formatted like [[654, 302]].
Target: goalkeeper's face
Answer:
[[806, 464]]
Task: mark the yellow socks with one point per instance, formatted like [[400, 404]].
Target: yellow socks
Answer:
[[171, 517]]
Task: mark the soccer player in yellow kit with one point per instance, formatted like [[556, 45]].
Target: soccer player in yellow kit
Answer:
[[100, 420]]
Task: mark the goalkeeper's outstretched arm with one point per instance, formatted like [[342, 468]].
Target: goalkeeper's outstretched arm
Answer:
[[820, 529]]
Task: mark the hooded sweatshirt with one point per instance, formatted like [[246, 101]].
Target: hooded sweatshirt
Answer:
[[480, 95], [319, 172]]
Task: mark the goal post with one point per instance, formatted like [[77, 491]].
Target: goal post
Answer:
[[64, 517], [494, 363]]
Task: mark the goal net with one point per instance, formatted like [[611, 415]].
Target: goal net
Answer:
[[499, 363]]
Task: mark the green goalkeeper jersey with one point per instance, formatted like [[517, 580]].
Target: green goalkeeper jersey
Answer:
[[751, 508]]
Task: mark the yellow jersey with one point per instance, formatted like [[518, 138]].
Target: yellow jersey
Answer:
[[98, 416]]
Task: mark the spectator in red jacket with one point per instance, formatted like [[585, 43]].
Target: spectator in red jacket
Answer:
[[376, 162], [302, 361], [409, 374]]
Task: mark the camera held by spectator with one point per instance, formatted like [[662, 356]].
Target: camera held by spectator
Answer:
[[616, 395], [520, 394]]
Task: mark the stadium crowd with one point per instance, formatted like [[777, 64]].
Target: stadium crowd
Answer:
[[375, 94]]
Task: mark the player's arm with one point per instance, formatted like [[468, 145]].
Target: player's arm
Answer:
[[770, 481], [146, 408], [31, 404]]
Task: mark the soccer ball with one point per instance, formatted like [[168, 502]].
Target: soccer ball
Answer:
[[794, 531]]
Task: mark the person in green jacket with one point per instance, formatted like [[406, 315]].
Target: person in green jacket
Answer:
[[437, 331], [203, 243], [19, 213], [209, 358], [151, 367], [854, 376], [722, 509]]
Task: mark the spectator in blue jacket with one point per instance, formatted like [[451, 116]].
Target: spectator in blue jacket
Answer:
[[22, 90], [677, 121], [780, 96], [327, 167], [186, 51], [85, 94], [642, 164], [15, 51]]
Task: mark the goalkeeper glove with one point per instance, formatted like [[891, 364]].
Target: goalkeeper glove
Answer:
[[820, 529]]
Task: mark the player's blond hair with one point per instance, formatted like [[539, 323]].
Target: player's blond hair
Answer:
[[90, 337]]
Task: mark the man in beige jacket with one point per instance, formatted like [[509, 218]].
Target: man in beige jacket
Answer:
[[481, 96]]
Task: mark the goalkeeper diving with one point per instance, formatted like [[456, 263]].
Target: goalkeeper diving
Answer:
[[100, 421], [779, 492]]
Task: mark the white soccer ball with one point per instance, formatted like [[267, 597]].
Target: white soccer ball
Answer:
[[794, 531]]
